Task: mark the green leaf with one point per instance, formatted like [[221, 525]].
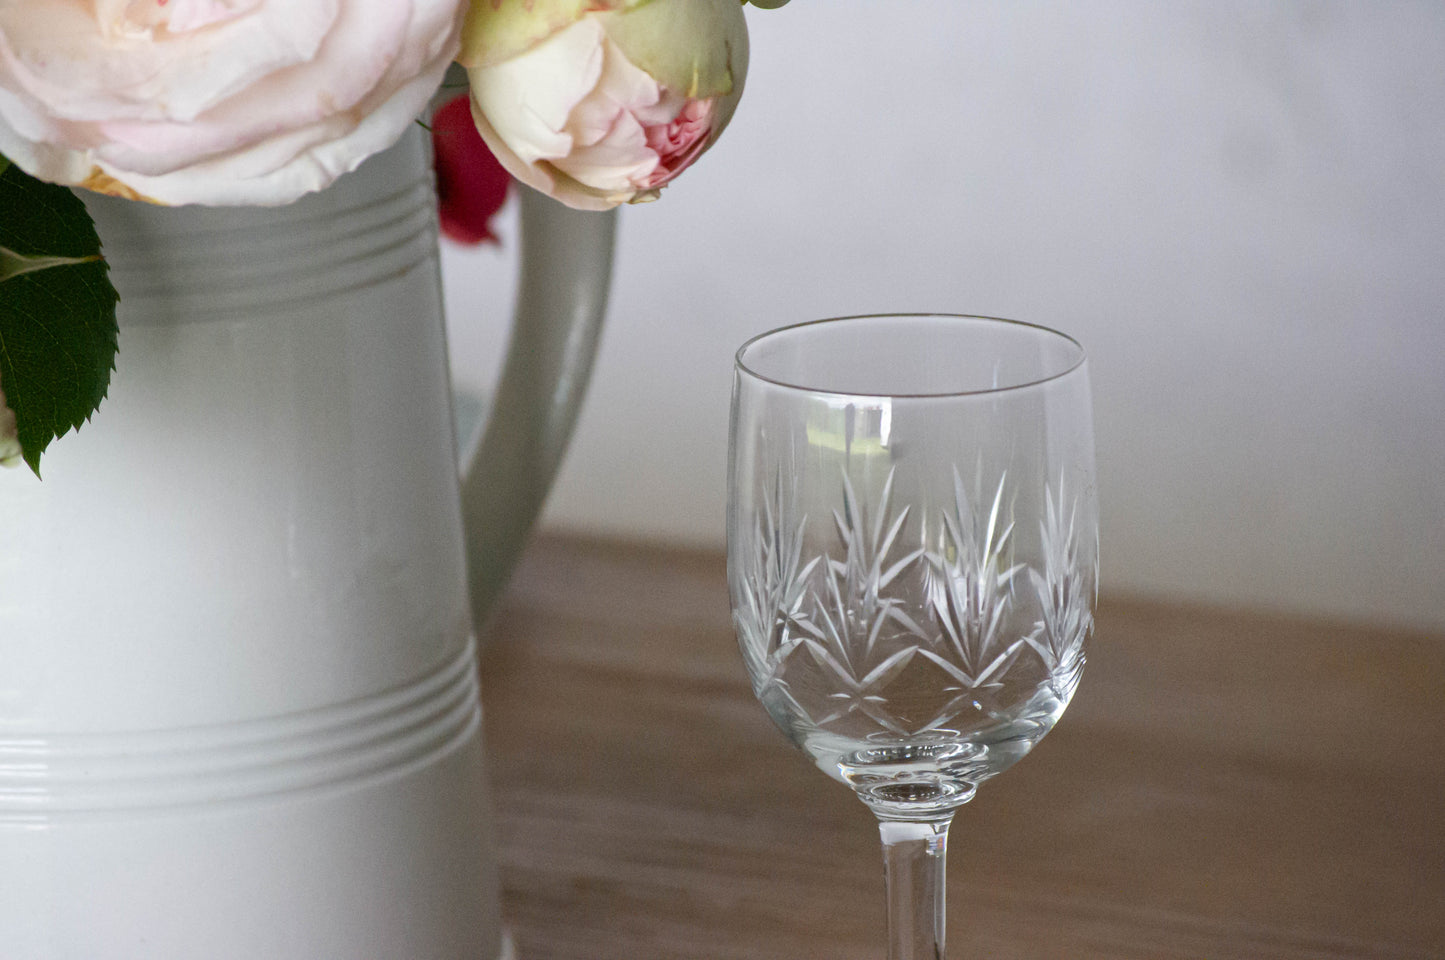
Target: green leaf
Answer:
[[57, 311]]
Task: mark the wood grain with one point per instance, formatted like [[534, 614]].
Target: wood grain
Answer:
[[1226, 785]]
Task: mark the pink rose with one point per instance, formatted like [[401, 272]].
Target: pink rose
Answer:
[[603, 103], [214, 101]]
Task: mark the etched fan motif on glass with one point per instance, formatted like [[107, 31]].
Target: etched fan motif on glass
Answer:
[[913, 562]]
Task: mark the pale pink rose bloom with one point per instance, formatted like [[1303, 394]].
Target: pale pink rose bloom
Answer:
[[10, 453], [214, 101], [575, 118]]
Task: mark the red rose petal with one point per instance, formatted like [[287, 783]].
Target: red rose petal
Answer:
[[471, 184]]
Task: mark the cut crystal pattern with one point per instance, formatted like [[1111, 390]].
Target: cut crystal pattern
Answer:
[[852, 610], [1066, 596], [771, 617], [971, 591], [875, 633]]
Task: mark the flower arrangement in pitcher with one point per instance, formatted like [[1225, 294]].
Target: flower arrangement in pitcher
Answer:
[[258, 102]]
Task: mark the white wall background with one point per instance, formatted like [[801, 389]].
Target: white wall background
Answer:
[[1238, 207]]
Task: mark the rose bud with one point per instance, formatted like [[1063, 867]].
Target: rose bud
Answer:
[[214, 101], [597, 107]]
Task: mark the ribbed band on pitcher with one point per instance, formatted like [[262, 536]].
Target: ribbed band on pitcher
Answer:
[[45, 778], [206, 266]]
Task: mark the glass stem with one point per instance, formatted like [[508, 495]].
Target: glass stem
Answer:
[[914, 857]]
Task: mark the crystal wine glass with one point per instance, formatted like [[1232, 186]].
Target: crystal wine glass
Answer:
[[912, 558]]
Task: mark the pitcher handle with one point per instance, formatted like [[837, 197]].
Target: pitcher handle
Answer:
[[565, 274]]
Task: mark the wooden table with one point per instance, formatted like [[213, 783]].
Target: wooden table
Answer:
[[1224, 786]]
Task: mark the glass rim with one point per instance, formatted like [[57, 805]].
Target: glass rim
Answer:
[[742, 366]]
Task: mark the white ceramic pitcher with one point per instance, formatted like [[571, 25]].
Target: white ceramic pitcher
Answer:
[[238, 697]]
